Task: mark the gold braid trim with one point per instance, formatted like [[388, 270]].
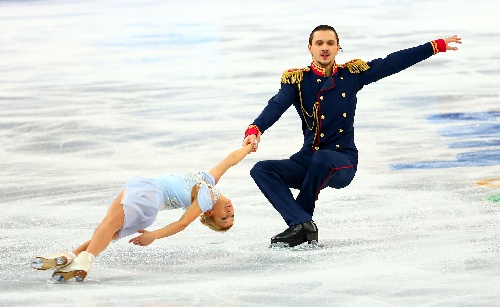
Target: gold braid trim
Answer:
[[294, 75], [355, 66], [313, 115], [435, 48]]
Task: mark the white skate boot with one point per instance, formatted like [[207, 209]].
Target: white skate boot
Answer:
[[50, 261], [77, 269]]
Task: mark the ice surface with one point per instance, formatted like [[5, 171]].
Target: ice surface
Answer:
[[94, 92]]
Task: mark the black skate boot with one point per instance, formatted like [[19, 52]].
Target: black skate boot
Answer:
[[296, 235], [310, 231]]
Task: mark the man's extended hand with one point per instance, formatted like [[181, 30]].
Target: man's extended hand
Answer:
[[452, 39]]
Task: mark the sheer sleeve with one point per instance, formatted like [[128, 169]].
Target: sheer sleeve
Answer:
[[204, 198]]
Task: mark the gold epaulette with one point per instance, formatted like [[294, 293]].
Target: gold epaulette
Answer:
[[355, 66], [294, 75]]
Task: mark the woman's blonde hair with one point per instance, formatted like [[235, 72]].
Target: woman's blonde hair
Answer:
[[207, 220], [210, 223]]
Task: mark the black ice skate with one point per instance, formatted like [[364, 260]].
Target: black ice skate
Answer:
[[296, 235]]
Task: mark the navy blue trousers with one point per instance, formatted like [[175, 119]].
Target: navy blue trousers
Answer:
[[275, 178]]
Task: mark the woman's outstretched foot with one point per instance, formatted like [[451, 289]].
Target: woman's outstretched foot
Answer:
[[78, 269], [55, 260]]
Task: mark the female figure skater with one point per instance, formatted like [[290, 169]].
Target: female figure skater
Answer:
[[135, 209]]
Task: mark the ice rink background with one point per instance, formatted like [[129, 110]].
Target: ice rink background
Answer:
[[94, 92]]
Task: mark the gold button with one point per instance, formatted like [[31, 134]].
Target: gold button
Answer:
[[341, 77], [343, 94], [338, 146], [320, 97], [317, 148], [344, 114], [340, 130], [319, 80], [322, 116], [322, 135]]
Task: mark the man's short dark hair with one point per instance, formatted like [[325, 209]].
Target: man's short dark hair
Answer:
[[323, 28]]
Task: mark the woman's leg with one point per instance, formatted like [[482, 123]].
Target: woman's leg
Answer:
[[107, 230], [81, 248], [86, 253]]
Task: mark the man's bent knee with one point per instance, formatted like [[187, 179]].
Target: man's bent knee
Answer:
[[257, 169]]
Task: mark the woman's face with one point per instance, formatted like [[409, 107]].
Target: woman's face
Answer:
[[222, 212]]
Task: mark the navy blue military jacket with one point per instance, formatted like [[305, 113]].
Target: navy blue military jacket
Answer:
[[327, 105]]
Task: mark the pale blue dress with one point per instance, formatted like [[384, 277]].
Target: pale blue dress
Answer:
[[144, 197]]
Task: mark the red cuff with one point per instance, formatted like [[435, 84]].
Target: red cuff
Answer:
[[252, 129], [438, 45]]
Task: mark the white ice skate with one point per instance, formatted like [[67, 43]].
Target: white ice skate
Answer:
[[55, 260], [78, 269]]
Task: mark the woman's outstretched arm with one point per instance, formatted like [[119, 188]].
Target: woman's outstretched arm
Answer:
[[232, 159], [147, 237]]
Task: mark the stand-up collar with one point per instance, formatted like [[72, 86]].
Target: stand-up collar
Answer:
[[320, 71]]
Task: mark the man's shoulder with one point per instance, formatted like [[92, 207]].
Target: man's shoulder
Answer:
[[355, 66], [294, 75]]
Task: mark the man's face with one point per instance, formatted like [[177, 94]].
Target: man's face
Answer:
[[324, 48]]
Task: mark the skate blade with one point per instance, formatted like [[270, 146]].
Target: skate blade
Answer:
[[309, 246], [40, 263], [279, 245], [285, 246], [78, 275], [56, 279], [290, 244]]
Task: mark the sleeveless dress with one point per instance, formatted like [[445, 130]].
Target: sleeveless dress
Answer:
[[144, 197]]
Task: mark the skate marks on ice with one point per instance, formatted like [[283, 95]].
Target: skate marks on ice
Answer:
[[474, 130], [98, 275]]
